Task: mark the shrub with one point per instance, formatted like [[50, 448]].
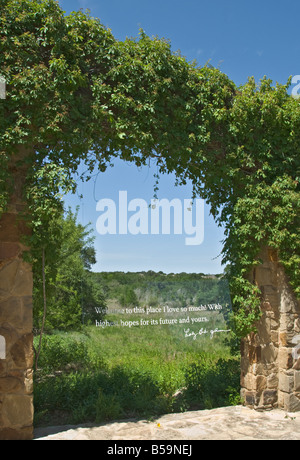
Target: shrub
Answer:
[[108, 407], [213, 385], [59, 350]]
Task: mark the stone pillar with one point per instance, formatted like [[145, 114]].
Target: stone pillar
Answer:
[[289, 348], [269, 361], [16, 312], [16, 361]]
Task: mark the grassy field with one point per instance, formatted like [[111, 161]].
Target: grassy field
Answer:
[[100, 374]]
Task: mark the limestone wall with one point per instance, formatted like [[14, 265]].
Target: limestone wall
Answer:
[[270, 364], [16, 358]]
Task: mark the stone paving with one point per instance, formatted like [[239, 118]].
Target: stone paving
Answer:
[[226, 423]]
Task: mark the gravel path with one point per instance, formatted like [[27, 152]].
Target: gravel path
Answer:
[[226, 423]]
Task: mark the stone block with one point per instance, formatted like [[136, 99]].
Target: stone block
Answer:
[[288, 303], [259, 369], [27, 324], [266, 306], [286, 381], [269, 353], [296, 365], [255, 382], [291, 402], [8, 273], [286, 339], [285, 358], [281, 399], [251, 398], [254, 354], [3, 368], [10, 385], [272, 381], [274, 324], [265, 276], [24, 281], [275, 338], [270, 397], [22, 352], [17, 381], [28, 381], [9, 250], [11, 228], [17, 311], [271, 297], [15, 279], [11, 311], [19, 434], [297, 380], [17, 411], [249, 382], [260, 383], [287, 322]]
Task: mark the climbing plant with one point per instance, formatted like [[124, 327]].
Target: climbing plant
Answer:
[[76, 94]]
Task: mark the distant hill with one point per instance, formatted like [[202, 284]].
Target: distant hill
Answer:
[[141, 288]]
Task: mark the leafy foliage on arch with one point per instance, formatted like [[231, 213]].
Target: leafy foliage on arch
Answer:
[[75, 93]]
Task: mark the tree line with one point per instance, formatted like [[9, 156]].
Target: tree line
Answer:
[[75, 295]]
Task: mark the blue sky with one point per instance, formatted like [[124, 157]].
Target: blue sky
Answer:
[[243, 39]]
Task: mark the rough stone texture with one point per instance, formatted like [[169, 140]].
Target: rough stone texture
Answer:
[[226, 423], [269, 359], [16, 314], [16, 401]]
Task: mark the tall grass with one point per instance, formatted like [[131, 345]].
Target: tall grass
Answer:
[[110, 373]]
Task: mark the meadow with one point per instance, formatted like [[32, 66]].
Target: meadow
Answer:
[[99, 374]]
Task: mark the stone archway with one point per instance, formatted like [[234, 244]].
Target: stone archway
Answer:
[[270, 366], [270, 359]]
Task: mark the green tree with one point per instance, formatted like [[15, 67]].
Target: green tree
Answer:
[[128, 297], [71, 292], [256, 191]]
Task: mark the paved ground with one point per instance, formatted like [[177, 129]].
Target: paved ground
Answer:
[[226, 423]]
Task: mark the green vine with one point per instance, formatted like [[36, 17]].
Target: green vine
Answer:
[[75, 94]]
